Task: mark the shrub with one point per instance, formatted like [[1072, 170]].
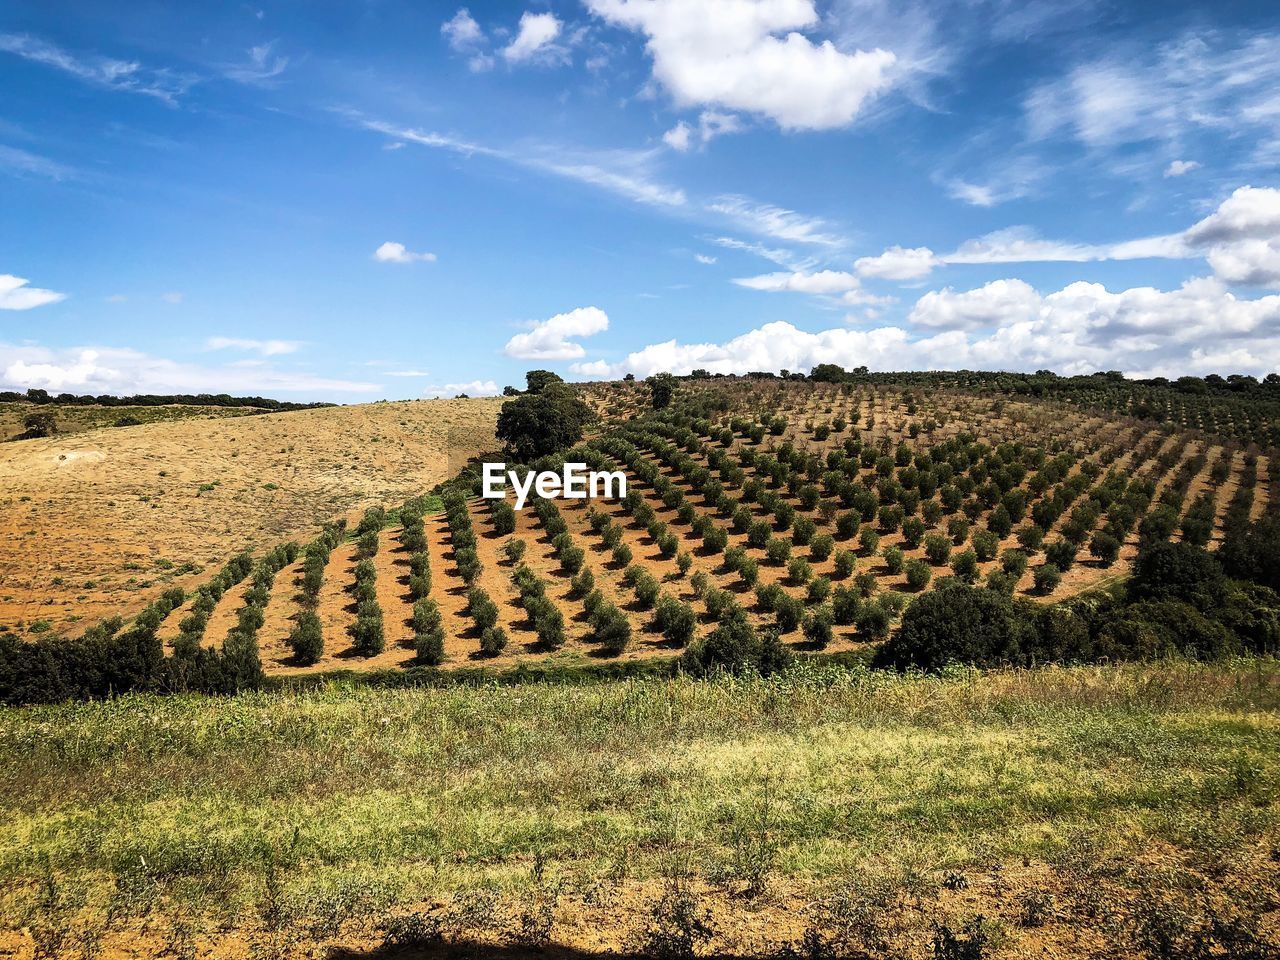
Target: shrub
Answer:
[[611, 629], [683, 562], [777, 551], [873, 620], [918, 574], [306, 639], [1062, 554], [799, 571], [954, 624], [893, 559], [1105, 548], [366, 633], [493, 640], [429, 647], [846, 563], [675, 620], [1046, 578], [817, 627], [789, 612], [735, 647], [514, 550], [965, 566], [819, 589], [504, 517], [821, 547], [1014, 563], [622, 555]]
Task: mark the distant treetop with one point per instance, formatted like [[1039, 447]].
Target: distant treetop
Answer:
[[42, 397]]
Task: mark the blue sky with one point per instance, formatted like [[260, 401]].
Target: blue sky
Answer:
[[395, 199]]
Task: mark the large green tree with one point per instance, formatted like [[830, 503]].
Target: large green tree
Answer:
[[542, 423]]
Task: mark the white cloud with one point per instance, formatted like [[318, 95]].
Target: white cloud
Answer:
[[1200, 82], [535, 38], [1250, 212], [117, 371], [821, 282], [727, 53], [462, 32], [408, 373], [1198, 328], [173, 296], [997, 303], [776, 222], [15, 294], [24, 163], [703, 259], [679, 137], [782, 257], [549, 339], [391, 252], [472, 388], [898, 263], [1177, 168], [262, 66], [125, 75], [621, 172], [268, 348], [1242, 237], [711, 124]]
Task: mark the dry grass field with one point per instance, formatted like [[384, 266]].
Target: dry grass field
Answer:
[[97, 523]]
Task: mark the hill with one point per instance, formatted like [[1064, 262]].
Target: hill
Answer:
[[97, 523]]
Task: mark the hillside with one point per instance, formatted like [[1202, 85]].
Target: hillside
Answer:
[[818, 509], [97, 523]]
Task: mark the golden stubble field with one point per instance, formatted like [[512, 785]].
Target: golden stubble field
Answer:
[[98, 523]]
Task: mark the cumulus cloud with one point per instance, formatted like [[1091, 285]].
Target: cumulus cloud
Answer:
[[551, 339], [464, 36], [821, 282], [1177, 168], [999, 302], [391, 252], [537, 34], [17, 294], [268, 348], [1198, 328], [118, 371], [729, 54], [472, 388], [1241, 239], [711, 124], [898, 263]]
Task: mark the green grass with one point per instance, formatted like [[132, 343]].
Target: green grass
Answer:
[[423, 792]]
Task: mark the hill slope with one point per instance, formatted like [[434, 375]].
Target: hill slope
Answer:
[[97, 523]]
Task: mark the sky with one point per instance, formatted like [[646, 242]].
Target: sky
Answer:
[[385, 199]]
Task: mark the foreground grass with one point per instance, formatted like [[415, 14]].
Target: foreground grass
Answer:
[[321, 803]]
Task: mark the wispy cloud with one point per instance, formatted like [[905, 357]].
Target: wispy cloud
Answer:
[[125, 75], [261, 67], [23, 163], [623, 172], [267, 348]]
